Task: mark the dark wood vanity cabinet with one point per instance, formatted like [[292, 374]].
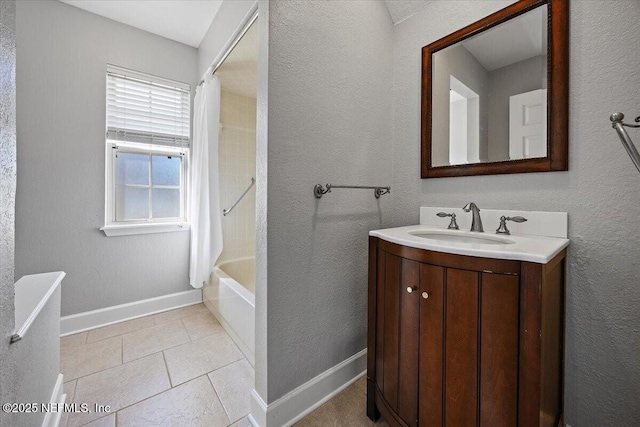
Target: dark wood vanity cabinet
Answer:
[[463, 341]]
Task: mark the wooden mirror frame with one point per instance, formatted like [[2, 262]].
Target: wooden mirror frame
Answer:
[[557, 100]]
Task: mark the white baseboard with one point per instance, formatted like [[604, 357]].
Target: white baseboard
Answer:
[[52, 418], [298, 403], [106, 316]]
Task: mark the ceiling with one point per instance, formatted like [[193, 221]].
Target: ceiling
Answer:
[[185, 21], [239, 71], [513, 41], [403, 9]]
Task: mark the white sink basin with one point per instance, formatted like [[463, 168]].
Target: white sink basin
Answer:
[[520, 247], [462, 237]]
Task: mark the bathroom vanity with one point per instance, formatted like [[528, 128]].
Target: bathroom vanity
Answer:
[[466, 329]]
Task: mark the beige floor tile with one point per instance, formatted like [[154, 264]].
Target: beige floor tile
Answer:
[[71, 341], [179, 313], [234, 383], [108, 421], [121, 386], [361, 384], [69, 388], [192, 404], [242, 423], [87, 359], [201, 325], [120, 328], [347, 409], [152, 340], [199, 357]]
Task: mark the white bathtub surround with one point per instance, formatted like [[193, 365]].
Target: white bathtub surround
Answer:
[[300, 402], [205, 210], [81, 322], [230, 296]]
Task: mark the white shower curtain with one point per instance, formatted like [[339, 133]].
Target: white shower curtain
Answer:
[[204, 200]]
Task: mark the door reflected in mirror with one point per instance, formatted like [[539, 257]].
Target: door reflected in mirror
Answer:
[[491, 89]]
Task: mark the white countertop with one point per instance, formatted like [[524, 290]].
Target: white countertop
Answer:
[[538, 249]]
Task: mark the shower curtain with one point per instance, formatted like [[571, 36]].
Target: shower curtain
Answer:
[[204, 200]]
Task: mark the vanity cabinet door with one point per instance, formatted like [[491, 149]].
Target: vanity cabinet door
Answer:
[[461, 348], [431, 345], [397, 323], [498, 334], [468, 348]]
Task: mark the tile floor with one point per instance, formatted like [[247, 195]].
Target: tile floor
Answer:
[[347, 409], [178, 368]]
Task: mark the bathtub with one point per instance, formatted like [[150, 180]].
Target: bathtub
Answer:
[[230, 296]]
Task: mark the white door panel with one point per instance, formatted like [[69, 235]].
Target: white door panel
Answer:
[[528, 125]]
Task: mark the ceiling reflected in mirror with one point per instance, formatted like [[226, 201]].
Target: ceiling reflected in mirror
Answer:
[[491, 90]]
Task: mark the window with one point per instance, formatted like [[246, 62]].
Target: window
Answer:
[[147, 138]]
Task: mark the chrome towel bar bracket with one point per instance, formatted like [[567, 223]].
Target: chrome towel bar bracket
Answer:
[[619, 125], [319, 190]]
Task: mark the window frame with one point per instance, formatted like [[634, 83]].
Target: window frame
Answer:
[[121, 138], [114, 227]]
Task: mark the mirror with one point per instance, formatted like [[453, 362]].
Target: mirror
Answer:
[[494, 94]]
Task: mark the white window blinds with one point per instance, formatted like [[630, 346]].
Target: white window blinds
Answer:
[[147, 109]]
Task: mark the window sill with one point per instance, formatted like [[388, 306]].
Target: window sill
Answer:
[[131, 229]]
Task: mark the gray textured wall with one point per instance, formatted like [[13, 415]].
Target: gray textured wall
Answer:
[[599, 192], [7, 201], [521, 77], [329, 108], [61, 63]]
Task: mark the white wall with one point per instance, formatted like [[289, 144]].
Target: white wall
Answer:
[[61, 62], [599, 192], [329, 108]]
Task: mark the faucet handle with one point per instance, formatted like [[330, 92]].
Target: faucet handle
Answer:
[[502, 229], [453, 225]]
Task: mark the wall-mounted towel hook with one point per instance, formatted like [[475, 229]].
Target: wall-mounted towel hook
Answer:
[[319, 191]]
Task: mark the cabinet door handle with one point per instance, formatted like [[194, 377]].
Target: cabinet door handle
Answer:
[[425, 295], [411, 288]]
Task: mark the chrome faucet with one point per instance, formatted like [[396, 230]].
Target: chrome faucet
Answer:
[[476, 223]]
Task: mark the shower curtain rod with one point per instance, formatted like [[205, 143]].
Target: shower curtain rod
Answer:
[[244, 27], [619, 126]]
